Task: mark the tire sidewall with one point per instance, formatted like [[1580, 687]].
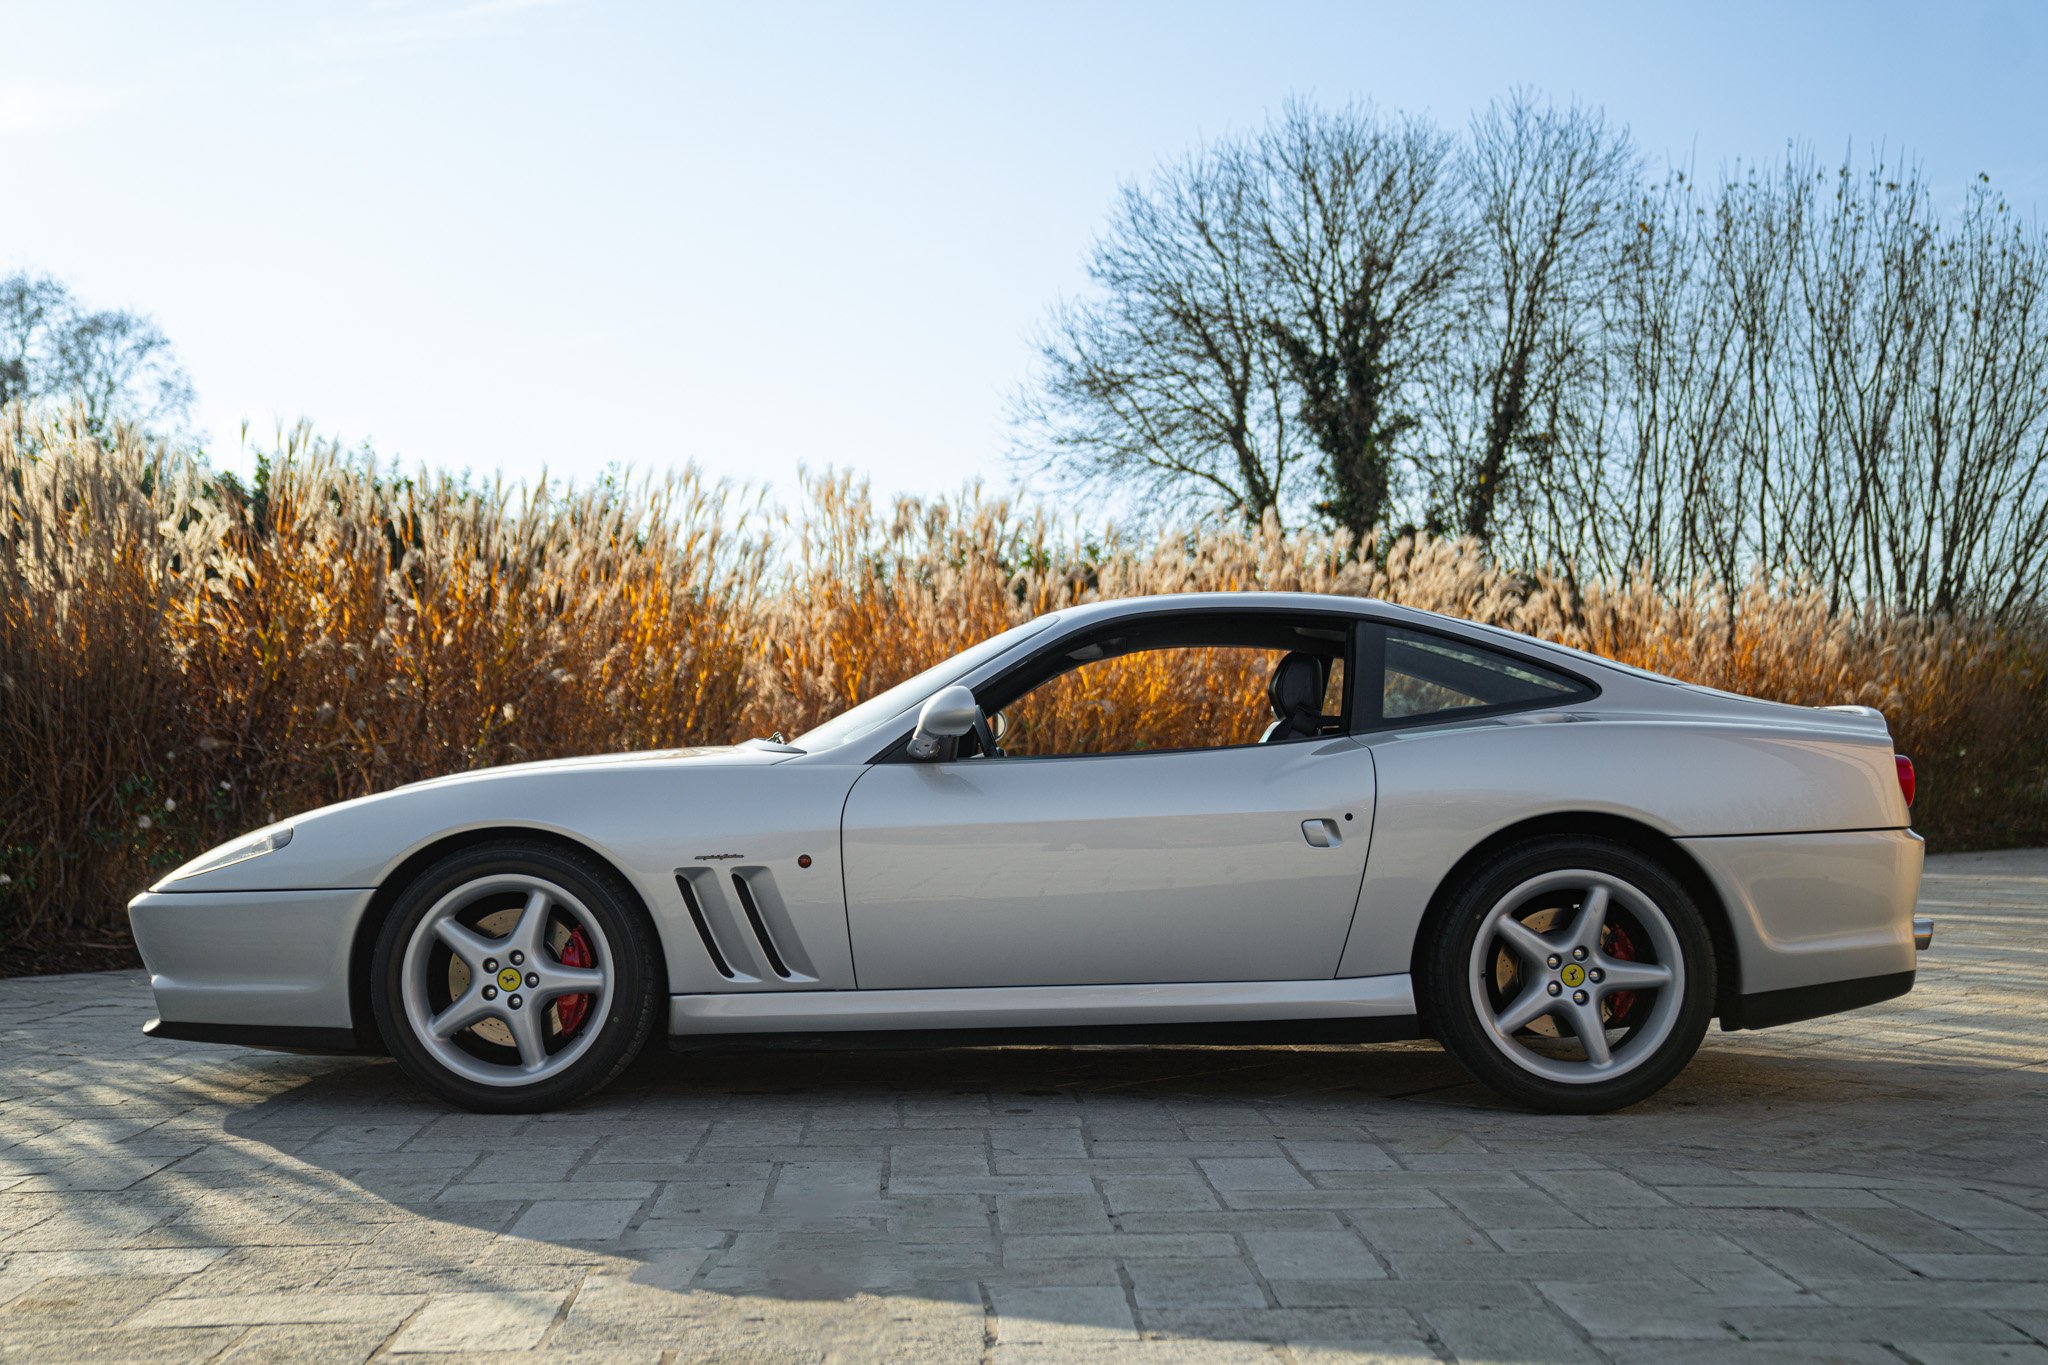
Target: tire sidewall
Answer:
[[635, 985], [1453, 1017]]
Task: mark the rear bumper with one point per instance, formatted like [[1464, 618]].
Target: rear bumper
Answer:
[[1816, 910], [249, 960], [1768, 1009]]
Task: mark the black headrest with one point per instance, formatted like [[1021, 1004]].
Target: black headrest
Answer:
[[1296, 693]]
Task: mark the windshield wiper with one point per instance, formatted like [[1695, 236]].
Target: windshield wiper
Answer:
[[773, 744]]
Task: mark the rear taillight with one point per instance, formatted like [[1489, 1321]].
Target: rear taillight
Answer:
[[1905, 776]]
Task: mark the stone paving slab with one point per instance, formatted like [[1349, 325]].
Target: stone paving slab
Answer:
[[1872, 1187]]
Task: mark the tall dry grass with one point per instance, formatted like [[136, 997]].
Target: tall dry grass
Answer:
[[182, 658]]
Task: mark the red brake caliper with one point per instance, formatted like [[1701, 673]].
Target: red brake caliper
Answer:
[[572, 1010], [1621, 948]]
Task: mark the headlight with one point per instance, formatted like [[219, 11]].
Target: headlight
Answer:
[[236, 851]]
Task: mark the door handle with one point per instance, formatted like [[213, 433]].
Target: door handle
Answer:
[[1321, 833]]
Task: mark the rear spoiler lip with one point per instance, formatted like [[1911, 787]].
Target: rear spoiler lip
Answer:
[[1856, 724], [1870, 717]]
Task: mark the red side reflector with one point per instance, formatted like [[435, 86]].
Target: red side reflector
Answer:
[[1906, 783]]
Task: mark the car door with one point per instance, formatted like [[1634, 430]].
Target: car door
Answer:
[[1226, 864]]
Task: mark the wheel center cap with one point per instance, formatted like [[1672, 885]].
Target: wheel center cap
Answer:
[[1573, 975], [508, 979]]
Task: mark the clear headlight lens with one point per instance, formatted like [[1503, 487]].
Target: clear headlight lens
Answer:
[[236, 851]]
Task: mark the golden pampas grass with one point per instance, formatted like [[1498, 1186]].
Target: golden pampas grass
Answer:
[[176, 646]]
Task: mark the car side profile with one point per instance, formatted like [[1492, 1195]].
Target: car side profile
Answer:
[[1383, 824]]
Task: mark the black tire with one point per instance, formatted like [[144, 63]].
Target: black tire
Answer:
[[637, 978], [1454, 978]]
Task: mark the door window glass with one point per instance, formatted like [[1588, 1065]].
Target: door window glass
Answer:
[[1188, 698], [1181, 680]]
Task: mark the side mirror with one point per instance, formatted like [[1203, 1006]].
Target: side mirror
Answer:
[[948, 715]]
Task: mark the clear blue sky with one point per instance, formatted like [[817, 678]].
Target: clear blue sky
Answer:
[[506, 235]]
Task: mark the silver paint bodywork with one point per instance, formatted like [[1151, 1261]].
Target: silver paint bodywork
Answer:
[[1178, 866], [1162, 887], [249, 957]]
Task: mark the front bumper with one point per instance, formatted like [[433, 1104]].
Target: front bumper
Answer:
[[249, 959], [324, 1042]]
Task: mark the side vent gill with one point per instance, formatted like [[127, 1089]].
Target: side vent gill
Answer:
[[769, 919], [696, 909], [775, 962]]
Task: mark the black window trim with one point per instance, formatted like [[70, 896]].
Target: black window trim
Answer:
[[1353, 624], [1369, 648]]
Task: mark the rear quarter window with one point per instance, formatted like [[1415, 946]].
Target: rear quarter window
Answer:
[[1423, 676]]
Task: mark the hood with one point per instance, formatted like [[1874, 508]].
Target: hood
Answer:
[[349, 843], [701, 755]]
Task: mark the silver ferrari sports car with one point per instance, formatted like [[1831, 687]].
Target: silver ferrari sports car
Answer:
[[1406, 825]]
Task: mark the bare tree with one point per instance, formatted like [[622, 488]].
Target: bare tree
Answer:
[[1546, 185], [117, 366], [1929, 398], [1364, 247], [1799, 372], [1259, 314], [1978, 537], [1167, 382], [27, 306], [1810, 377], [1694, 333]]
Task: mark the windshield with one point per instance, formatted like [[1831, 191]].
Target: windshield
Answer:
[[879, 710]]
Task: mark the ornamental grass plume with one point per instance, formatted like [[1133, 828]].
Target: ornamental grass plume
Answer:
[[184, 655]]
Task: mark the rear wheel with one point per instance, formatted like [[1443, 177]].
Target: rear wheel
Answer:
[[1573, 975], [513, 977]]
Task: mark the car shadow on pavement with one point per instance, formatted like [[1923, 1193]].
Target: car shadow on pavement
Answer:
[[1213, 1193]]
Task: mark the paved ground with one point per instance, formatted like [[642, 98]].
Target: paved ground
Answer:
[[1869, 1188]]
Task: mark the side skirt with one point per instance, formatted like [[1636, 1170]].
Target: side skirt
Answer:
[[1768, 1009], [1251, 1033], [1348, 1010]]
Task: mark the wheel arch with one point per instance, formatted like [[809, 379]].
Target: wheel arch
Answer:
[[1643, 838], [364, 944]]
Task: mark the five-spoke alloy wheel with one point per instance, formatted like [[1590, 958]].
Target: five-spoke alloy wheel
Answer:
[[511, 977], [1573, 975]]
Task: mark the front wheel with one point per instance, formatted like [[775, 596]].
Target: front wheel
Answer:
[[1571, 975], [512, 977]]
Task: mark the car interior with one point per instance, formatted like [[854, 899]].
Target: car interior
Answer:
[[1292, 668]]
